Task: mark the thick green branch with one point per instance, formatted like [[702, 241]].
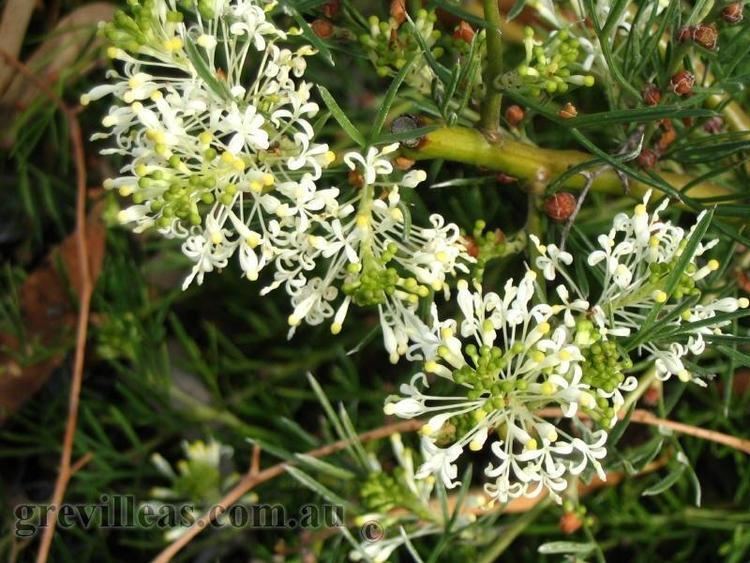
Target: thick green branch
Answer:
[[529, 163], [493, 99]]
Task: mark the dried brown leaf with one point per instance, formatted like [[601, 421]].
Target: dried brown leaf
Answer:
[[49, 310]]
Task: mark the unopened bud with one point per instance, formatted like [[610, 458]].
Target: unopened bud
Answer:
[[682, 83], [398, 11], [514, 115], [560, 206], [647, 158], [651, 95], [464, 32], [568, 111], [732, 13], [705, 36], [570, 522], [331, 8], [403, 163], [322, 28]]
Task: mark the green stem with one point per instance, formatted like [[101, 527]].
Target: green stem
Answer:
[[534, 227], [529, 163], [493, 98], [643, 385]]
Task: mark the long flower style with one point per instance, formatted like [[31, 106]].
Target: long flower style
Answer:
[[212, 119], [635, 260], [509, 360], [363, 251]]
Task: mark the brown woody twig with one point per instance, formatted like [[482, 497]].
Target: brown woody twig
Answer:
[[76, 138]]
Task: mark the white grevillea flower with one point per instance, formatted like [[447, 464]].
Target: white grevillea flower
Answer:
[[507, 360], [635, 260], [363, 251], [212, 120]]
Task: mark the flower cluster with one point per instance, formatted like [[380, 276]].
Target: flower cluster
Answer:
[[512, 363], [384, 492], [365, 251], [507, 360], [390, 45], [213, 119], [200, 480], [555, 65], [220, 159]]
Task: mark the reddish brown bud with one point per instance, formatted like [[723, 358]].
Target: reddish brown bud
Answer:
[[568, 111], [464, 32], [647, 158], [471, 247], [705, 36], [398, 11], [570, 522], [713, 125], [331, 8], [743, 280], [682, 83], [403, 163], [514, 115], [685, 33], [505, 178], [668, 137], [322, 28], [732, 13], [355, 179], [652, 395], [651, 95], [560, 206]]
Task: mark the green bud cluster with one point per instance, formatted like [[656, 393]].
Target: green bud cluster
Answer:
[[391, 45], [487, 246], [140, 27], [373, 281], [173, 195], [552, 67], [454, 428], [484, 378], [685, 285], [382, 492]]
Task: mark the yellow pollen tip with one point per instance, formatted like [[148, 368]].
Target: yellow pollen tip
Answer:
[[174, 44], [743, 302], [294, 320], [713, 265], [125, 191], [268, 180], [544, 328], [684, 376], [531, 444], [475, 445], [256, 186], [330, 156], [548, 388], [336, 328], [640, 209], [205, 138], [660, 296], [431, 366], [363, 221], [217, 237]]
